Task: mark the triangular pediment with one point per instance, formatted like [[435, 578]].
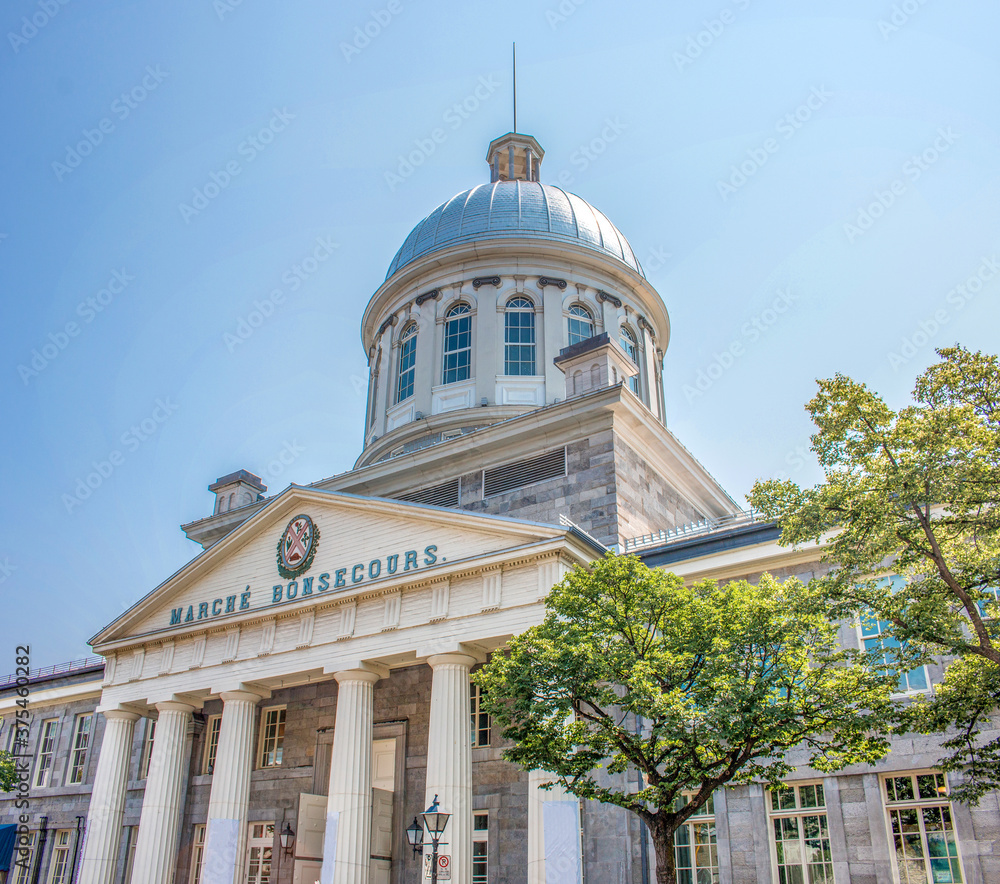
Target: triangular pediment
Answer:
[[344, 544]]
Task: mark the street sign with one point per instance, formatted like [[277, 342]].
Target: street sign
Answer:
[[443, 867]]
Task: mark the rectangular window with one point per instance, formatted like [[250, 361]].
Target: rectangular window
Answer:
[[800, 837], [46, 750], [696, 854], [131, 838], [21, 863], [272, 736], [925, 848], [212, 730], [197, 853], [480, 847], [260, 846], [59, 865], [874, 634], [480, 719], [147, 748], [519, 338], [78, 753], [457, 345]]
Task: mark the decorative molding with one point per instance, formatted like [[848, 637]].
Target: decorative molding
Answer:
[[307, 623], [486, 280], [604, 296], [268, 630], [492, 588], [440, 595], [433, 294], [551, 280], [644, 323], [550, 572], [232, 644], [393, 607], [392, 320], [348, 617], [198, 652], [167, 658], [138, 659], [110, 668]]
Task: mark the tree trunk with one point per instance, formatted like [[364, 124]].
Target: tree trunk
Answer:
[[663, 845]]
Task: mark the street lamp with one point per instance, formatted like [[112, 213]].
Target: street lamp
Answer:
[[287, 839], [436, 821], [415, 836]]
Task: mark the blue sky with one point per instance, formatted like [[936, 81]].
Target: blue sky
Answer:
[[806, 184]]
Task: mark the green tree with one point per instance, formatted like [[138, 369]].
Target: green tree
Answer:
[[724, 680], [8, 772], [916, 493]]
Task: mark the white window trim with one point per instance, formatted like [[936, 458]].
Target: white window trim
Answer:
[[197, 852], [701, 816], [205, 770], [74, 750], [482, 836], [146, 756], [261, 737], [799, 812], [57, 848], [910, 692], [41, 778], [475, 702]]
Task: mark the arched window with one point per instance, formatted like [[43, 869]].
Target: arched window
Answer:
[[373, 389], [232, 497], [407, 362], [581, 324], [629, 345], [457, 344], [519, 337]]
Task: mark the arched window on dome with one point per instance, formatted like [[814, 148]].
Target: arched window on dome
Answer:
[[629, 345], [407, 362], [581, 324], [519, 337], [373, 389], [457, 344]]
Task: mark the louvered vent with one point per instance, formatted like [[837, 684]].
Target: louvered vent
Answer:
[[550, 465], [445, 494]]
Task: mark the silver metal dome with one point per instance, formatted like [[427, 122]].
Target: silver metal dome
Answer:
[[515, 209]]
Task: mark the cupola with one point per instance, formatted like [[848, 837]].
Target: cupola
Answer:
[[514, 157]]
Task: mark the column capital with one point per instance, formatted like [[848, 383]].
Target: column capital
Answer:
[[240, 696], [345, 676], [453, 659], [175, 706], [120, 714]]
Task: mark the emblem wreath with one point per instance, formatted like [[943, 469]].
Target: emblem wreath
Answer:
[[290, 573]]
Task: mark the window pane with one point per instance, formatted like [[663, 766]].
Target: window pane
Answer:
[[457, 344]]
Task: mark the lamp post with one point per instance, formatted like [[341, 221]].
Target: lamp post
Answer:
[[435, 820]]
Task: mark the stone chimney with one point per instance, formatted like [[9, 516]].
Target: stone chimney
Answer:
[[236, 490], [593, 364]]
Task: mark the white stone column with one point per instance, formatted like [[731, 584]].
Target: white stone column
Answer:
[[225, 837], [347, 842], [156, 849], [107, 801], [554, 836], [449, 758]]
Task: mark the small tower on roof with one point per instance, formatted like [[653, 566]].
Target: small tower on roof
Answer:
[[514, 157]]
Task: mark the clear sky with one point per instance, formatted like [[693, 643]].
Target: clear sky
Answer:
[[167, 165]]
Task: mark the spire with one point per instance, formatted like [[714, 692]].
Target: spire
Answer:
[[514, 157]]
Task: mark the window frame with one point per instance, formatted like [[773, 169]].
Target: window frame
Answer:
[[42, 774], [279, 737], [23, 873], [60, 854], [132, 838], [519, 305], [213, 728], [942, 801], [78, 755], [197, 851], [797, 812], [481, 838], [146, 756], [880, 636], [458, 314], [263, 845], [632, 351], [407, 375], [572, 318], [705, 815], [479, 741]]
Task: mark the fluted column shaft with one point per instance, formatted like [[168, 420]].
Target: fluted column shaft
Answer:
[[449, 758], [107, 801], [225, 837], [156, 849], [558, 862], [347, 842]]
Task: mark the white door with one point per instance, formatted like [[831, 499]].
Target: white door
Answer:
[[383, 783], [381, 824], [260, 846]]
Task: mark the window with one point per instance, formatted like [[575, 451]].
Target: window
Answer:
[[147, 748], [631, 348], [59, 865], [272, 736], [407, 362], [923, 834], [197, 853], [131, 839], [480, 719], [581, 324], [480, 847], [800, 838], [876, 637], [519, 337], [696, 855], [989, 608], [46, 749], [22, 861], [260, 845], [457, 344], [212, 729], [78, 753]]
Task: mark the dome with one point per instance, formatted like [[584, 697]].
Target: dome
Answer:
[[515, 209]]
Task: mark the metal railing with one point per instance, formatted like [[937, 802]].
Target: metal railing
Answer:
[[55, 669], [692, 529]]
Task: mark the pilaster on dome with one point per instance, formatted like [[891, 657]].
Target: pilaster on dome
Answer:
[[514, 157]]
